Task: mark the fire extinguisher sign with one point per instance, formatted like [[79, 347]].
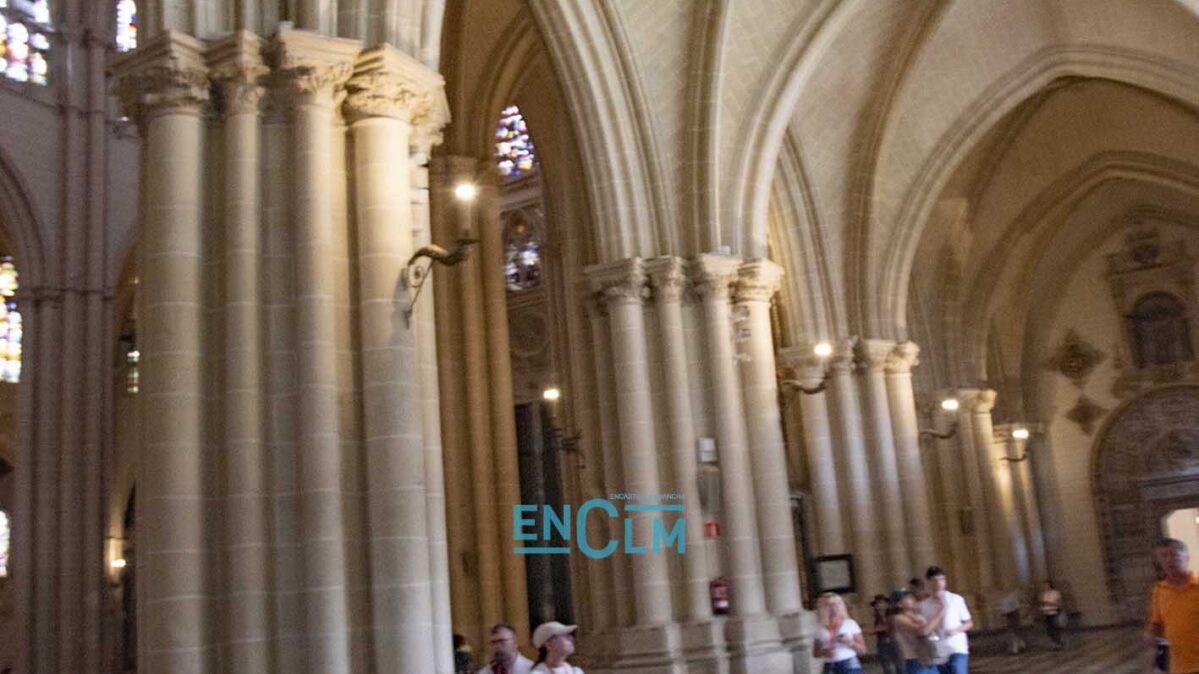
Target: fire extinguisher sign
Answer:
[[661, 515]]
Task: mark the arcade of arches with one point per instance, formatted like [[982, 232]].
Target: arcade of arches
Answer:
[[250, 436]]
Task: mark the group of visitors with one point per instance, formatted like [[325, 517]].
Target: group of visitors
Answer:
[[1051, 612], [553, 641], [919, 631]]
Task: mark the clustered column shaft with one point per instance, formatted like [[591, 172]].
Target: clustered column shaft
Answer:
[[349, 584]]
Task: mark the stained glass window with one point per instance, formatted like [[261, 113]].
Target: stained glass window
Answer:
[[514, 154], [5, 536], [11, 332], [522, 264], [23, 41], [126, 25]]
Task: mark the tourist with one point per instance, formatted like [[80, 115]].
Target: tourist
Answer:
[[556, 643], [888, 653], [1052, 614], [839, 638], [1174, 609], [1010, 608], [912, 631], [505, 657], [952, 644]]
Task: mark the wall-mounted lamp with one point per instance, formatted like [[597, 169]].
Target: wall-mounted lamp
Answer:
[[414, 275], [117, 564], [822, 351], [558, 438], [465, 191], [1018, 433], [949, 405]]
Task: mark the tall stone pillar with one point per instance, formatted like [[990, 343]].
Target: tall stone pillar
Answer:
[[953, 482], [757, 283], [506, 481], [652, 641], [868, 553], [831, 537], [976, 441], [875, 354], [753, 636], [619, 586], [701, 638], [918, 529], [668, 277], [236, 66], [317, 68], [1014, 552], [1028, 506], [165, 86], [387, 91]]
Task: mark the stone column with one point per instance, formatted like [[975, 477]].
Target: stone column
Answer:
[[753, 636], [612, 592], [949, 461], [854, 479], [1005, 450], [976, 443], [1030, 512], [874, 355], [247, 620], [623, 286], [387, 91], [757, 283], [477, 389], [317, 67], [669, 279], [912, 480], [714, 276], [506, 482], [831, 537], [164, 86]]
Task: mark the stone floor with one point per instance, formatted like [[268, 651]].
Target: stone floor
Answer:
[[1100, 651]]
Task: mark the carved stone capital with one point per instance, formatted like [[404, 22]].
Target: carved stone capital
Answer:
[[313, 68], [806, 366], [843, 358], [904, 357], [714, 275], [758, 281], [390, 83], [622, 282], [167, 74], [236, 67], [668, 277], [874, 353], [978, 401]]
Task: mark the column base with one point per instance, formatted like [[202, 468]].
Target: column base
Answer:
[[755, 646], [650, 649], [704, 648], [796, 630]]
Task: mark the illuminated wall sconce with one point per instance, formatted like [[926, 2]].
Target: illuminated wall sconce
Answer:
[[823, 351], [1019, 433], [949, 405], [552, 394], [415, 275]]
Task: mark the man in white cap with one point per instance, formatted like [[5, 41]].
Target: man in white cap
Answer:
[[506, 659], [558, 643]]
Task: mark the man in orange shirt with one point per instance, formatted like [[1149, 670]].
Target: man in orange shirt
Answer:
[[1174, 608]]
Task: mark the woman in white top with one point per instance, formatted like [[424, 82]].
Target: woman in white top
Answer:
[[911, 631], [839, 639], [1051, 611], [556, 643]]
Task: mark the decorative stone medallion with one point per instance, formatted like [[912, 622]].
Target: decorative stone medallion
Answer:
[[1075, 358], [1085, 413]]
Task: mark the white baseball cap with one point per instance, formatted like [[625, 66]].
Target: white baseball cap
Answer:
[[547, 631]]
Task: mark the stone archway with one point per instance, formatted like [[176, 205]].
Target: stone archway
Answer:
[[1146, 465]]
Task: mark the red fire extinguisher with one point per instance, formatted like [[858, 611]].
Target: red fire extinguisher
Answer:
[[720, 596]]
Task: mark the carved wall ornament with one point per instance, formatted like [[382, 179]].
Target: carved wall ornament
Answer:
[[166, 74], [1085, 413], [1074, 358]]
